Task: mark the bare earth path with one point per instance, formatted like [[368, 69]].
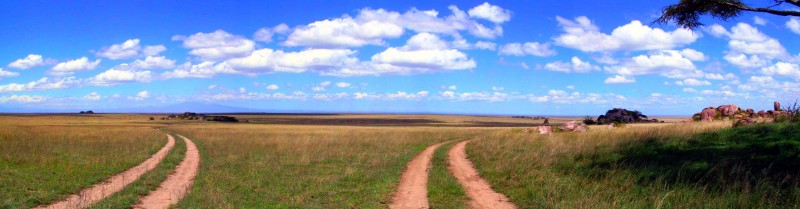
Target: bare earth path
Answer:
[[177, 184], [478, 190], [412, 192], [97, 192]]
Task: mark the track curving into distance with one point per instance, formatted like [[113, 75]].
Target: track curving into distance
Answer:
[[177, 184], [100, 191], [412, 192], [478, 190]]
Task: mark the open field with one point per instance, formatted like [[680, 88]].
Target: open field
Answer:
[[355, 161], [42, 164]]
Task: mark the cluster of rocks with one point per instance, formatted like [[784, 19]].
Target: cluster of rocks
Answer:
[[530, 117], [734, 112], [572, 126], [620, 115], [87, 112], [203, 117]]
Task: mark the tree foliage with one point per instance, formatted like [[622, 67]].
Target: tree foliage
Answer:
[[687, 13]]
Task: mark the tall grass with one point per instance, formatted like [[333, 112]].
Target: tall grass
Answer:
[[641, 167], [40, 164], [258, 166]]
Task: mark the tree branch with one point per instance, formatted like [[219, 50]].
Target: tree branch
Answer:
[[767, 10]]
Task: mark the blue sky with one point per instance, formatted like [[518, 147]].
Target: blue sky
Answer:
[[472, 57]]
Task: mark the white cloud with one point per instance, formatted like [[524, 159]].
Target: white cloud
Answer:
[[129, 48], [153, 50], [783, 69], [576, 65], [423, 53], [618, 79], [693, 55], [668, 63], [343, 32], [759, 21], [571, 87], [429, 21], [744, 61], [205, 69], [529, 48], [142, 95], [42, 84], [122, 73], [692, 82], [490, 12], [5, 73], [794, 25], [498, 88], [485, 45], [265, 34], [22, 99], [268, 60], [217, 45], [747, 40], [94, 96], [717, 76], [72, 66], [272, 87], [342, 84], [32, 60], [583, 35], [151, 62], [451, 87]]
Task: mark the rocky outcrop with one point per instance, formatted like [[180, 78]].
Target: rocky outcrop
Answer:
[[708, 114], [620, 115], [544, 129], [728, 110], [574, 126]]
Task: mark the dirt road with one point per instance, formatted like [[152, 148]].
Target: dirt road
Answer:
[[97, 192], [478, 190], [412, 192], [177, 184]]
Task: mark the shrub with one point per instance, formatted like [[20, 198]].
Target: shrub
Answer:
[[589, 120]]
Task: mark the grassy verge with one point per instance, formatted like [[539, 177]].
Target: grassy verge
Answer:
[[444, 191], [262, 166], [43, 164], [147, 182], [692, 165]]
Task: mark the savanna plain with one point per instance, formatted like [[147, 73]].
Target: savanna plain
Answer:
[[359, 161]]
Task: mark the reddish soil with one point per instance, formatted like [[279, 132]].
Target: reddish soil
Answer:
[[412, 192], [478, 190], [177, 184], [97, 192]]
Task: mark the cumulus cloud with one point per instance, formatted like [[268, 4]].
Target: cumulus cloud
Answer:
[[783, 69], [749, 47], [94, 96], [5, 73], [343, 32], [272, 87], [759, 21], [342, 84], [485, 45], [668, 63], [142, 95], [217, 45], [793, 25], [31, 61], [265, 34], [42, 84], [153, 50], [72, 66], [619, 79], [575, 65], [151, 62], [269, 60], [692, 82], [693, 55], [490, 12], [583, 35], [129, 48], [206, 69], [22, 99], [529, 48], [122, 73]]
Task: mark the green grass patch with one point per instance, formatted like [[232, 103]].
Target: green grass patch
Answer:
[[43, 164], [147, 182], [444, 191]]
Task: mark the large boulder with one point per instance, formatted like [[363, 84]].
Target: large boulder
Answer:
[[569, 126], [762, 113], [708, 114], [620, 115], [728, 110], [544, 129], [776, 105], [581, 128]]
